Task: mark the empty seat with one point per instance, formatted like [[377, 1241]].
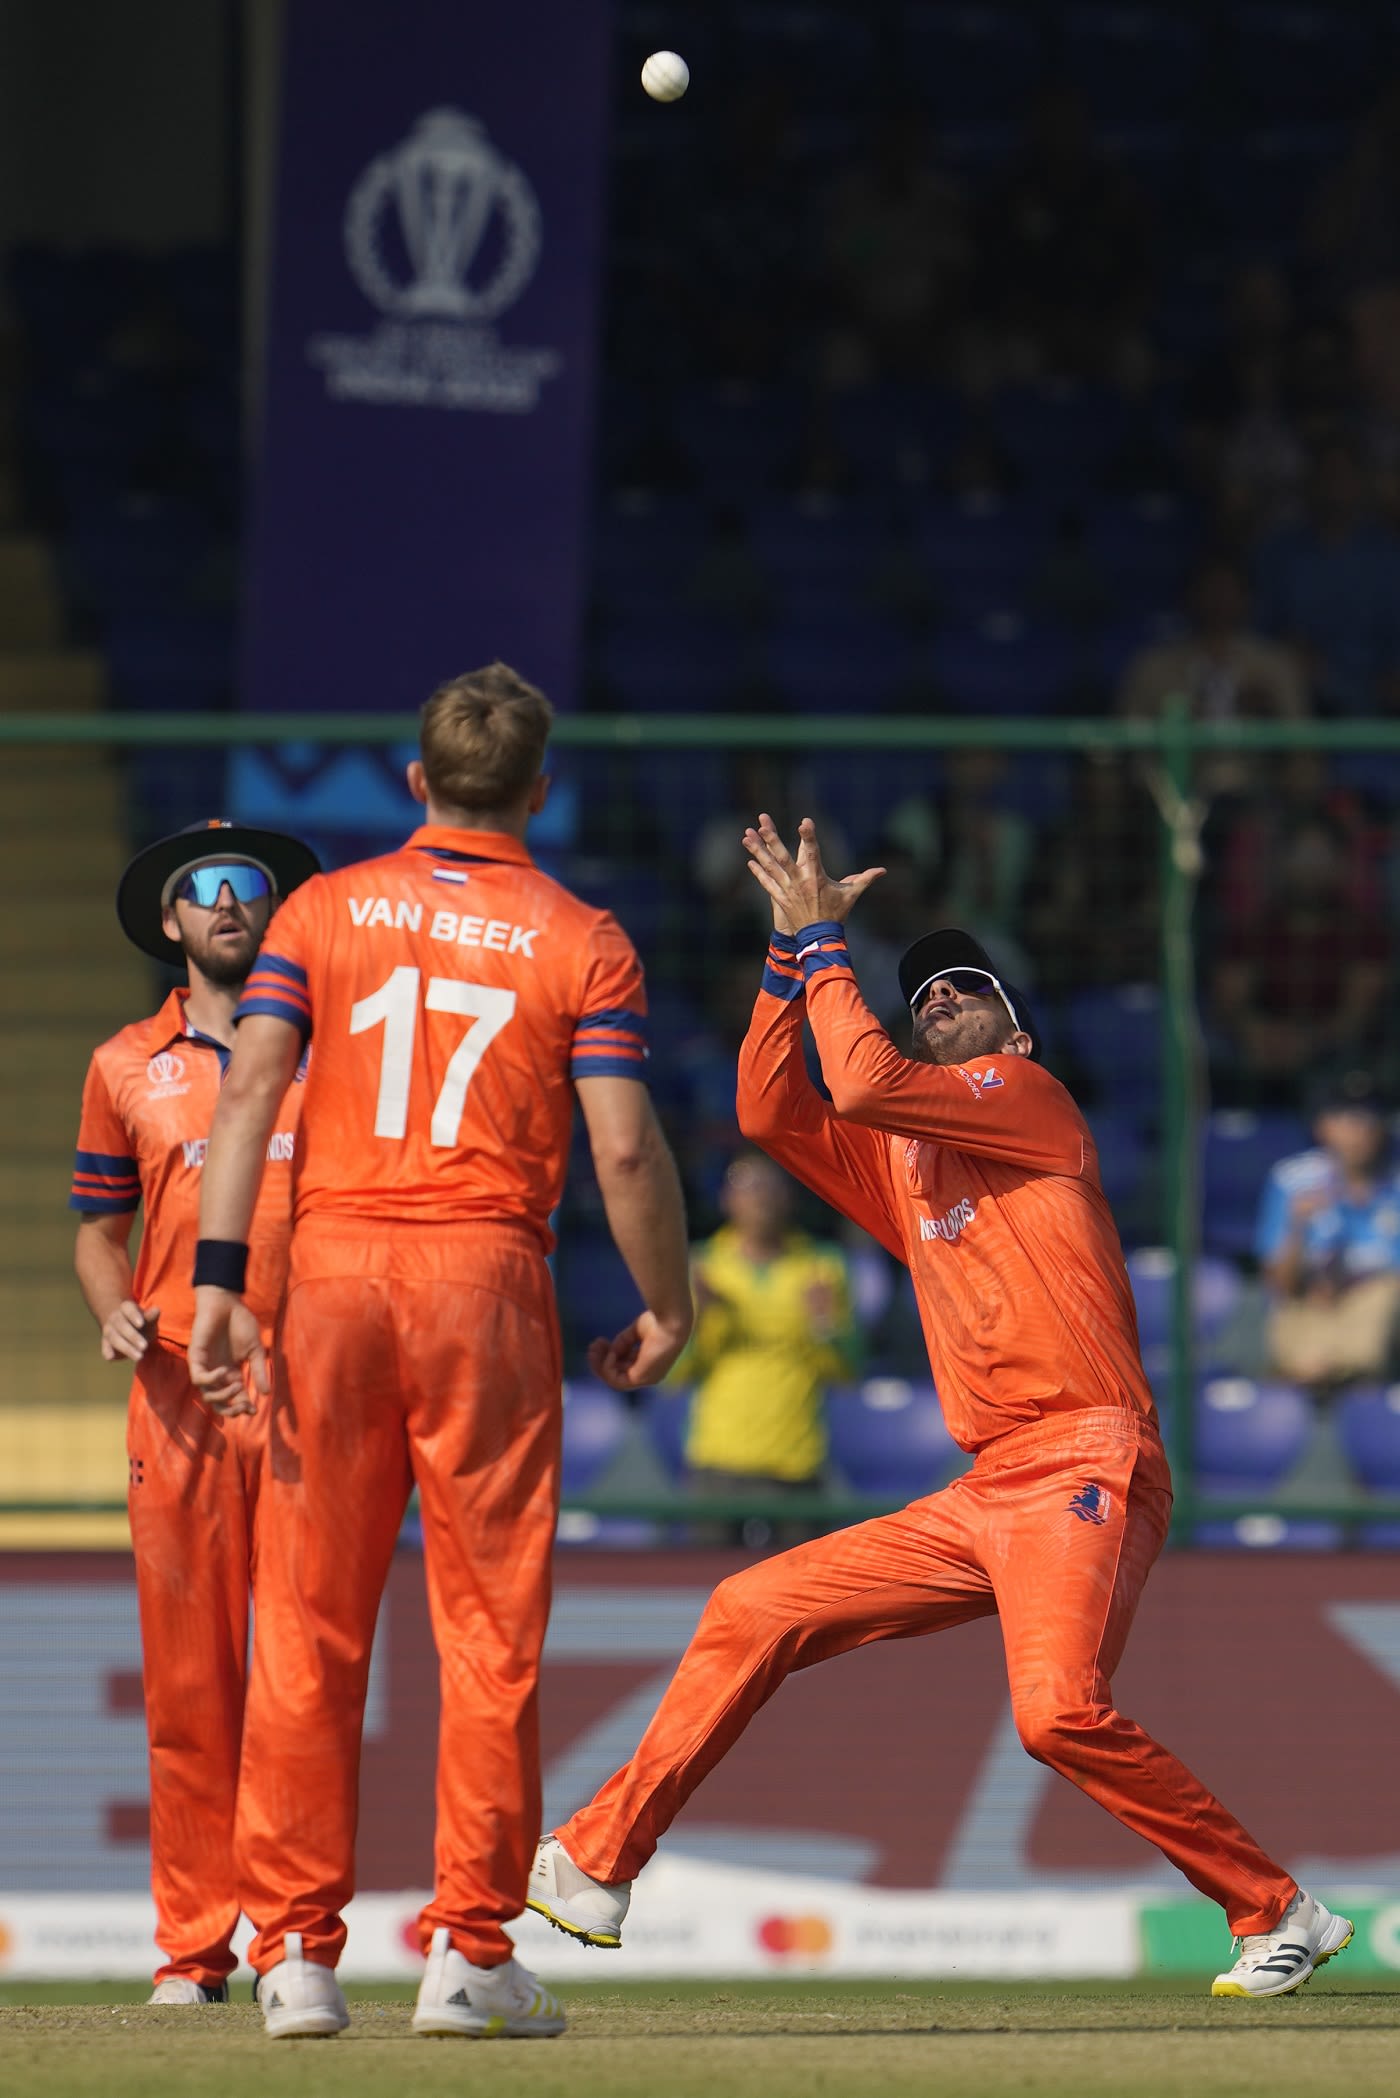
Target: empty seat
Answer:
[[1240, 1147], [1131, 61], [1114, 1034], [667, 1414], [1294, 61], [972, 62], [595, 1423], [596, 1293], [1368, 1429], [1248, 1434], [889, 1439], [1004, 665], [1270, 1533], [1215, 1294]]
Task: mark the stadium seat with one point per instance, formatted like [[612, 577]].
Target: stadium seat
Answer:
[[1123, 1153], [1114, 1034], [1133, 61], [1003, 665], [969, 61], [1239, 1149], [596, 1293], [667, 1414], [1368, 1429], [1059, 433], [595, 1423], [846, 664], [1292, 60], [889, 1439], [981, 552], [1248, 1434], [1270, 1533], [1215, 1294]]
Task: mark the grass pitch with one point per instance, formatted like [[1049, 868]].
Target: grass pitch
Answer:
[[734, 2040]]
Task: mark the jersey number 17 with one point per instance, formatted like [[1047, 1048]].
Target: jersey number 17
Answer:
[[394, 1006]]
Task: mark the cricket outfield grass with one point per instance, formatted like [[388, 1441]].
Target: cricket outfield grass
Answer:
[[734, 2040]]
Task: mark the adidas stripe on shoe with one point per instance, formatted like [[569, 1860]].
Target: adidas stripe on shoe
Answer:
[[459, 2001], [1276, 1962], [300, 2000]]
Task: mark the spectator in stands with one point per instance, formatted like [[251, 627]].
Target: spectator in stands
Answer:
[[774, 1328], [971, 850], [1092, 915], [1287, 789], [1302, 980], [1330, 586], [727, 577], [896, 242], [1226, 670], [1067, 258], [1329, 1243]]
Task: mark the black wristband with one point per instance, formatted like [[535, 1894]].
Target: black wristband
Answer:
[[221, 1263]]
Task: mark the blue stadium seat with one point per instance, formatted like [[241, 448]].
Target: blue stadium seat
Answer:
[[672, 665], [1059, 433], [847, 664], [1378, 1537], [1132, 61], [1003, 665], [1249, 1435], [1240, 1147], [1144, 544], [1216, 1287], [972, 62], [595, 1423], [982, 552], [1123, 1153], [819, 52], [1256, 187], [596, 1293], [889, 1439], [166, 661], [1368, 1429], [667, 1415], [1295, 61], [1115, 1036], [1270, 1533]]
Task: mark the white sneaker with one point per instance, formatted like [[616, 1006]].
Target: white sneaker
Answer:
[[176, 1988], [1280, 1960], [460, 2001], [299, 1999], [590, 1910]]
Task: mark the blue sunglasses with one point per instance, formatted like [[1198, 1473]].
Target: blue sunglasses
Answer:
[[202, 885]]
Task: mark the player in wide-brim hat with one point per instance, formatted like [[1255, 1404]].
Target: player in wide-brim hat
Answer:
[[151, 881]]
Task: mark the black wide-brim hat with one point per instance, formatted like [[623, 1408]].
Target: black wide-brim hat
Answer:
[[938, 952], [286, 862]]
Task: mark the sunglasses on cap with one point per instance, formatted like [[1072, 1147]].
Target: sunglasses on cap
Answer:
[[202, 885], [975, 983]]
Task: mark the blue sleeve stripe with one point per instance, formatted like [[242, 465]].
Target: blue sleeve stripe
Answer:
[[608, 1067], [819, 959], [278, 965], [104, 1205], [278, 1009], [781, 986], [105, 1162], [616, 1016]]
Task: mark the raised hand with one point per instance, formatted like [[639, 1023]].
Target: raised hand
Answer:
[[802, 890]]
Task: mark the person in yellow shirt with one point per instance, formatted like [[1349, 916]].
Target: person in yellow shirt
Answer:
[[774, 1327]]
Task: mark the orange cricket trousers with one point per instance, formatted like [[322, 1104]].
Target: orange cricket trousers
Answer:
[[406, 1354], [192, 1496], [1055, 1529]]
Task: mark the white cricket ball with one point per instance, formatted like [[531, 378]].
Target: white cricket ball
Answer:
[[665, 76]]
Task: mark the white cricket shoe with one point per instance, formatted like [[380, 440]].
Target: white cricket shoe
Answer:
[[1280, 1960], [459, 2001], [177, 1988], [299, 1999], [590, 1910]]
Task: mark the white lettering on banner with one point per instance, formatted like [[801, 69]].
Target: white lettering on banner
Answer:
[[281, 1146], [443, 234], [952, 1224]]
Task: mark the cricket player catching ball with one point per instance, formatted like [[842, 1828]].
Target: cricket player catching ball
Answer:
[[973, 1165]]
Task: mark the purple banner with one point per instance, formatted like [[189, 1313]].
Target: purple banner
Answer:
[[428, 395]]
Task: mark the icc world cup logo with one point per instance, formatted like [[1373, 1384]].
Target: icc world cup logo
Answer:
[[443, 227]]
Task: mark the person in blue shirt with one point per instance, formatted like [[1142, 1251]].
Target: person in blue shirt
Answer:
[[1328, 1242]]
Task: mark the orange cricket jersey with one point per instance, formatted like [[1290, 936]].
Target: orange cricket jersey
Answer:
[[454, 992], [148, 1100], [981, 1177]]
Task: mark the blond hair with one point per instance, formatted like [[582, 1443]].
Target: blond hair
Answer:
[[482, 739]]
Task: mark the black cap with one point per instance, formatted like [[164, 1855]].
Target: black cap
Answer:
[[938, 952], [1339, 1090], [286, 862]]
